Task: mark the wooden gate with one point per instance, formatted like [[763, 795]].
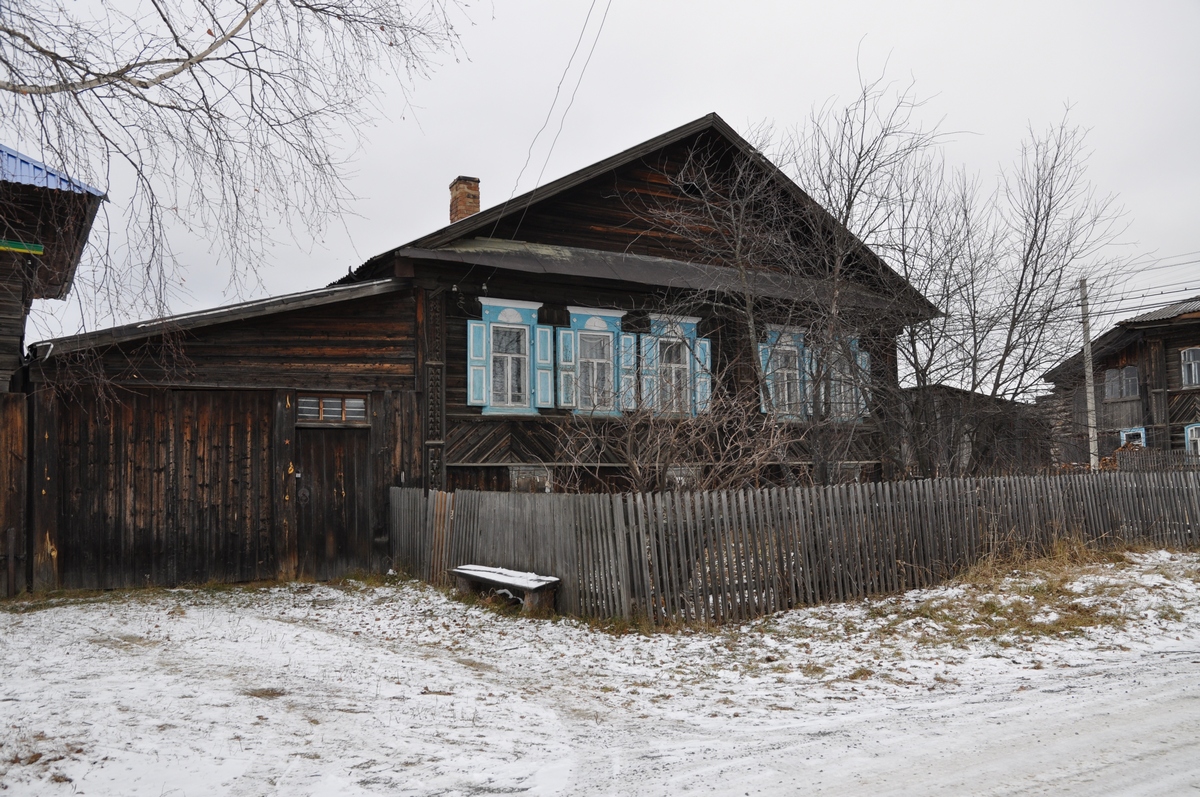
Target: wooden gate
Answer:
[[333, 489]]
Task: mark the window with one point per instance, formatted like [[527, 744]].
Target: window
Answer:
[[325, 409], [597, 366], [1191, 438], [510, 366], [1121, 383], [1190, 359], [676, 366], [847, 376], [510, 359], [674, 386], [596, 371], [1134, 437], [783, 357]]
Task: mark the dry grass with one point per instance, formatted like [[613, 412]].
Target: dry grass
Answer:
[[1017, 598]]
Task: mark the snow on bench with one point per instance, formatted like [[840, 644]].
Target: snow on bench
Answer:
[[537, 592]]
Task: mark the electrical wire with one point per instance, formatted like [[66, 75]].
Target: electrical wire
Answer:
[[549, 114], [563, 119]]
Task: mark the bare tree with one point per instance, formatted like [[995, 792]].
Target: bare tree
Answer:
[[229, 118]]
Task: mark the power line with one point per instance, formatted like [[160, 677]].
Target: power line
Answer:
[[549, 113], [563, 119]]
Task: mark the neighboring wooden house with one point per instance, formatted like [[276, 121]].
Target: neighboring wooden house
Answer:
[[45, 218], [1147, 387], [955, 432], [259, 440]]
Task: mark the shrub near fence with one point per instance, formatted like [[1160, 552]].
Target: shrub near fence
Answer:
[[725, 557]]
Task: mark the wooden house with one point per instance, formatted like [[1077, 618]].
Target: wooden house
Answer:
[[45, 218], [1147, 390], [259, 440]]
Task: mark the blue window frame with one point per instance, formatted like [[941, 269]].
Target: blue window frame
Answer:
[[596, 363], [1191, 438], [676, 366], [1136, 436], [510, 359], [785, 370]]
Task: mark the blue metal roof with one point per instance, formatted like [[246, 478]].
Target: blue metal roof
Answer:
[[18, 168]]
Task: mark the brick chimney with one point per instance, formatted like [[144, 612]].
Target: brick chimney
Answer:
[[464, 198]]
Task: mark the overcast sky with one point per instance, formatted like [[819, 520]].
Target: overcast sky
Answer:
[[1129, 72]]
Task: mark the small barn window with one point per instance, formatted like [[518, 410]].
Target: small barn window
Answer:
[[1190, 360], [327, 409], [1135, 436]]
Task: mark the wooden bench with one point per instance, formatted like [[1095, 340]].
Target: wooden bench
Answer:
[[536, 592]]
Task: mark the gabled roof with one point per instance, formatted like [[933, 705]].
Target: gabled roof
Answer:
[[18, 168], [206, 318], [483, 223], [1126, 332]]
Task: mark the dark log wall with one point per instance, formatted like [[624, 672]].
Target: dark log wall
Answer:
[[477, 442], [14, 304], [365, 344], [157, 482]]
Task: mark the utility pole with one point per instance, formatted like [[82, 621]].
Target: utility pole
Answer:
[[1089, 378]]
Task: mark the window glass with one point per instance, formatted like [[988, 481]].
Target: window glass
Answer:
[[510, 363], [1191, 367], [312, 409], [331, 409], [787, 380], [308, 408], [356, 409], [673, 376], [1121, 383], [595, 371]]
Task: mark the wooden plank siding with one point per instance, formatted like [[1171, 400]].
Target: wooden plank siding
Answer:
[[365, 344], [14, 465]]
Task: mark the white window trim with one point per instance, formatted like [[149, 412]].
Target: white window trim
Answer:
[[611, 362], [492, 327], [797, 384]]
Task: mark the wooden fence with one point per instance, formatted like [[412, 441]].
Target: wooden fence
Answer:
[[1154, 460], [723, 557]]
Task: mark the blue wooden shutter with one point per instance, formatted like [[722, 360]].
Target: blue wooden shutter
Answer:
[[566, 368], [628, 375], [477, 364], [543, 353], [703, 371], [649, 344]]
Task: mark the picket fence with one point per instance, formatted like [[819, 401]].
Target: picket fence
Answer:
[[726, 557]]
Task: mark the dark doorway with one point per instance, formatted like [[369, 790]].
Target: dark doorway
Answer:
[[332, 502]]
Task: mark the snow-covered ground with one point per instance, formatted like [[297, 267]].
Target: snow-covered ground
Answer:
[[1029, 685]]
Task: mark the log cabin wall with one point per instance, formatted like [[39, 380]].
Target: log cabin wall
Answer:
[[188, 462], [479, 449]]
